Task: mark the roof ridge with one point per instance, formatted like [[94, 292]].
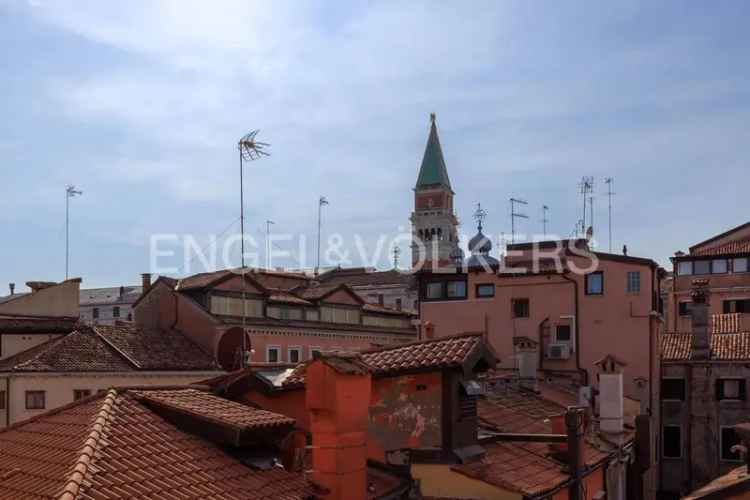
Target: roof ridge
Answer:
[[419, 342], [38, 351], [88, 451], [113, 346]]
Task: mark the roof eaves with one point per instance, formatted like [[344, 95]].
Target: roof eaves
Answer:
[[719, 236]]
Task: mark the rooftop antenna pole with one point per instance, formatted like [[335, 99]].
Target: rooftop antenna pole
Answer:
[[586, 187], [545, 220], [396, 253], [514, 215], [70, 192], [610, 182], [322, 201], [250, 150], [268, 243]]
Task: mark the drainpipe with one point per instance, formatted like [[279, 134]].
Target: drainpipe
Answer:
[[584, 373], [541, 343], [7, 401]]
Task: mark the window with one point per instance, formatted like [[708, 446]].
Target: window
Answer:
[[314, 351], [739, 265], [35, 400], [685, 268], [81, 393], [718, 266], [295, 354], [486, 290], [455, 289], [673, 389], [702, 267], [381, 300], [520, 308], [729, 439], [730, 389], [595, 283], [273, 354], [736, 306], [434, 290], [685, 308], [562, 333], [95, 313], [330, 314], [634, 281], [312, 315], [116, 312], [399, 304], [672, 441], [2, 400]]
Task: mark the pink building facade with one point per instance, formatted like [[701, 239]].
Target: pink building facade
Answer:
[[578, 306]]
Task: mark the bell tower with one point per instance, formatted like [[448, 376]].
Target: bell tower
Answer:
[[434, 223]]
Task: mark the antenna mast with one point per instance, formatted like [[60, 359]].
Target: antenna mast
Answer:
[[586, 189], [70, 192], [545, 220], [268, 243], [250, 150], [515, 215], [396, 253], [609, 181]]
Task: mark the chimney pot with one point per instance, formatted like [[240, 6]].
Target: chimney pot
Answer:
[[12, 287], [145, 281]]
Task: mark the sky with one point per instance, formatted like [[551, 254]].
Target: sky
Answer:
[[140, 105]]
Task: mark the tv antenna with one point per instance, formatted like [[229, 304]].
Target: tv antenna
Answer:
[[70, 192], [586, 189], [250, 150], [610, 181], [515, 215], [545, 220], [396, 253]]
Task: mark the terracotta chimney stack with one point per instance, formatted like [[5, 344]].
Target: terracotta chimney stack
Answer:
[[145, 282], [701, 343], [429, 330], [338, 399]]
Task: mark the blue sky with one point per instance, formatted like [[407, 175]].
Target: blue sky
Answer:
[[140, 104]]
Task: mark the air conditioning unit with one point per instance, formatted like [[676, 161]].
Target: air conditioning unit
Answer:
[[558, 351]]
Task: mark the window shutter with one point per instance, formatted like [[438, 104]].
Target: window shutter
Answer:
[[719, 390]]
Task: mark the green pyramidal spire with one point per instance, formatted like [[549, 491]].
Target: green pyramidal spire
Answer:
[[433, 171]]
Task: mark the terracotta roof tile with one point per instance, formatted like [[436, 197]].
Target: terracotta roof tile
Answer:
[[205, 405], [112, 349], [366, 277], [445, 352], [725, 323], [731, 247], [112, 446], [523, 467], [724, 346]]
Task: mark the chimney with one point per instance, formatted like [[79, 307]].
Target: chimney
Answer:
[[700, 347], [429, 330], [12, 287], [145, 282], [337, 397], [527, 354], [122, 290], [610, 394], [625, 250], [575, 426], [39, 285]]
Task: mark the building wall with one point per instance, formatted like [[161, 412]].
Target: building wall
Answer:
[[721, 287], [11, 344], [700, 417], [57, 300], [616, 322], [390, 293], [59, 387], [439, 481], [106, 313]]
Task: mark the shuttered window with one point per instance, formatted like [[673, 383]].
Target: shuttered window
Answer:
[[232, 306]]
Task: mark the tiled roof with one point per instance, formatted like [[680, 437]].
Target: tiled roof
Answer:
[[526, 468], [202, 280], [724, 346], [725, 323], [440, 353], [205, 405], [731, 247], [112, 349], [316, 292], [376, 308], [156, 349], [287, 298], [366, 277], [110, 295], [112, 446]]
